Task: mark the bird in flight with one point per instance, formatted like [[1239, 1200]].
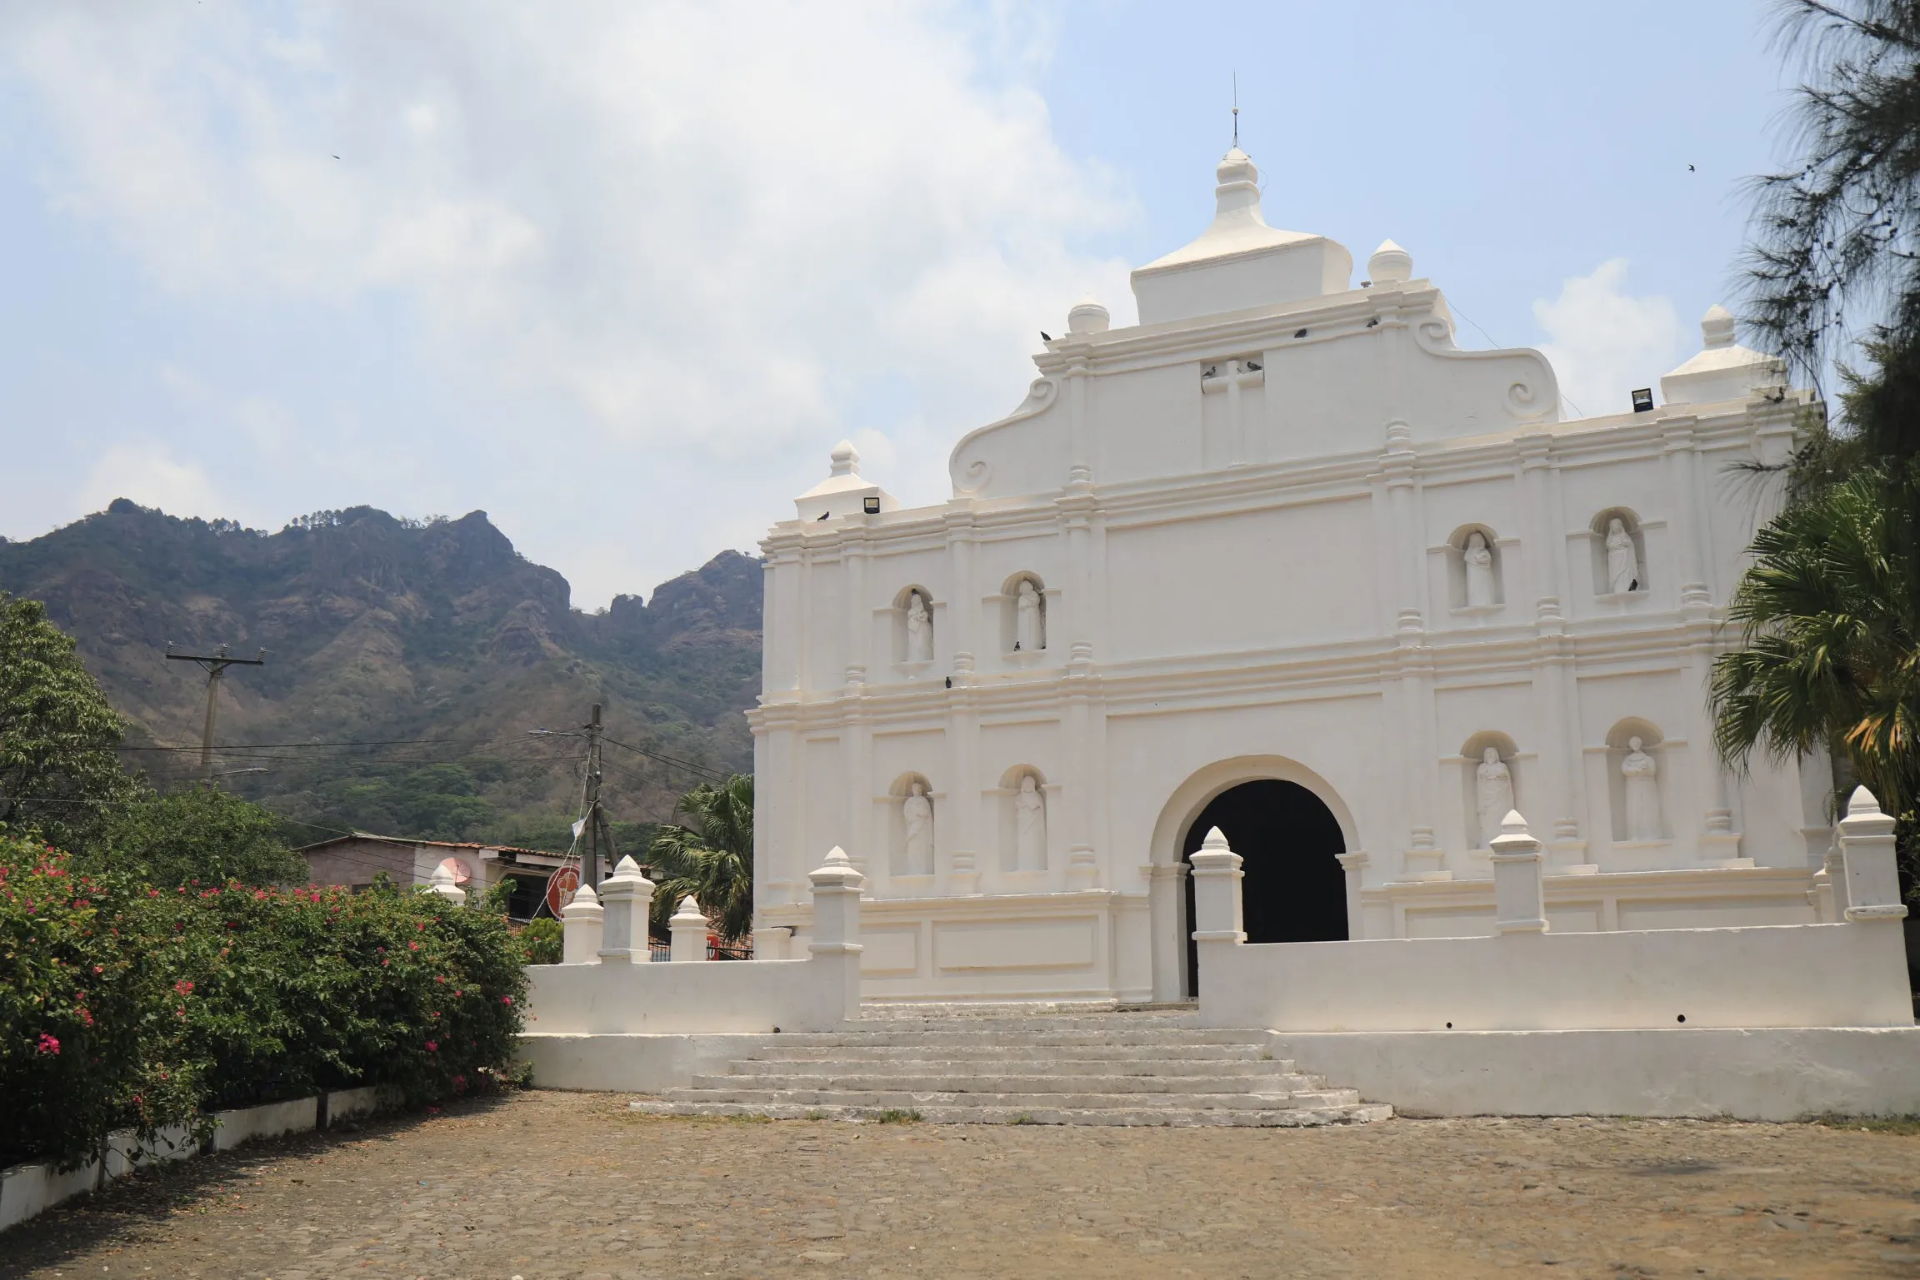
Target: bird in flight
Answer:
[[1689, 167]]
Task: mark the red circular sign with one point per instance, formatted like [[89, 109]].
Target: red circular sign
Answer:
[[560, 888]]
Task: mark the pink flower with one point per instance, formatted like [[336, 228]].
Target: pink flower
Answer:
[[413, 946], [433, 1046], [47, 1044], [433, 1111], [183, 987], [506, 999]]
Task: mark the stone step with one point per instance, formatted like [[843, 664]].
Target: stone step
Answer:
[[1030, 1022], [783, 1052], [1090, 1100], [840, 1065], [947, 1034], [1052, 1113], [968, 1082]]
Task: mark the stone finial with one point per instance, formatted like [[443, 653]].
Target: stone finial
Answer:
[[1863, 804], [1088, 316], [628, 869], [1236, 177], [1514, 838], [584, 901], [837, 871], [1390, 264], [689, 911], [1216, 842], [444, 883], [1716, 327], [844, 458]]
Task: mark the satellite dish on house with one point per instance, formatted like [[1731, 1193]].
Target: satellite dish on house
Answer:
[[459, 869]]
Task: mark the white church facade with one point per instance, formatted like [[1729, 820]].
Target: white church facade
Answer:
[[1284, 560]]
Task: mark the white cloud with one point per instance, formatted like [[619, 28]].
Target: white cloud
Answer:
[[144, 471], [1604, 342], [700, 234]]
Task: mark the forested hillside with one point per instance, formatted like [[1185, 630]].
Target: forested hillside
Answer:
[[433, 645]]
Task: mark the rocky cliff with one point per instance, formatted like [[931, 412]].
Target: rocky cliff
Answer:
[[436, 640]]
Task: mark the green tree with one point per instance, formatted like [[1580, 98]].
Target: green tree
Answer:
[[1831, 633], [59, 738], [712, 859], [209, 836], [1840, 232]]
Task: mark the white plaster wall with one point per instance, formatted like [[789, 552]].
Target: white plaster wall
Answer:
[[1840, 975], [611, 1062], [711, 998], [1761, 1074]]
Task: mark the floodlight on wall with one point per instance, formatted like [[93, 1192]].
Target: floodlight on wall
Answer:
[[1643, 400], [871, 505]]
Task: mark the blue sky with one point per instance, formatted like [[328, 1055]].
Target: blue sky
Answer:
[[623, 274]]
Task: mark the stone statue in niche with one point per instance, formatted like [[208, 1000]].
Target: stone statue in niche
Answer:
[[1029, 632], [1492, 794], [917, 809], [1030, 823], [1642, 773], [1623, 567], [919, 630], [1479, 558]]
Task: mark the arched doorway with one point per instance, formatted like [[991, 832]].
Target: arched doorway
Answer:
[[1295, 888]]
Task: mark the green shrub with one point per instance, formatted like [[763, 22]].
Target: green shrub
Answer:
[[82, 989], [541, 940], [168, 1003]]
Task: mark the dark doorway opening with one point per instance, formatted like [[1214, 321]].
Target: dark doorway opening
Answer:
[[1295, 888]]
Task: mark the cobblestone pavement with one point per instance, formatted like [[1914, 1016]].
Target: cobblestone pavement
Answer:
[[551, 1185]]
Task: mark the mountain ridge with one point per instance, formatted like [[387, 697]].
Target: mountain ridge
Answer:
[[435, 638]]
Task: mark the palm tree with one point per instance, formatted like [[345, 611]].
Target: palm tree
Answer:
[[1831, 658], [712, 859]]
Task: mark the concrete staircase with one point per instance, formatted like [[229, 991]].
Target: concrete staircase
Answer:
[[1027, 1065]]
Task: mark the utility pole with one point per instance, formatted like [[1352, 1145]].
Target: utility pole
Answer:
[[590, 860], [215, 665]]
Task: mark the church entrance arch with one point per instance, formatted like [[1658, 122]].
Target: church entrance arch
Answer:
[[1290, 829]]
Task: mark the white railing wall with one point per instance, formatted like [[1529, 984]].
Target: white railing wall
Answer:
[[1527, 978], [605, 985]]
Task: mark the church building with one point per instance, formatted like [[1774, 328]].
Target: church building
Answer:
[[1283, 559]]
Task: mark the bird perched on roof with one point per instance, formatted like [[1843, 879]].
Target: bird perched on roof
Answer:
[[1045, 336]]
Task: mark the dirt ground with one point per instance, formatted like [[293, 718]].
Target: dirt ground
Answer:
[[550, 1185]]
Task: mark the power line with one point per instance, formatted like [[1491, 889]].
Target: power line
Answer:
[[688, 765]]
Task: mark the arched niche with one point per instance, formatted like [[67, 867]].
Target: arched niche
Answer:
[[901, 861], [1010, 592], [1620, 740], [904, 652], [1460, 577], [1473, 754], [1601, 528], [1015, 855]]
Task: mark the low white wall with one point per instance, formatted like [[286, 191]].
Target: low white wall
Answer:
[[29, 1189], [708, 998], [1810, 975], [1776, 1074], [267, 1121], [345, 1104], [631, 1063], [126, 1153]]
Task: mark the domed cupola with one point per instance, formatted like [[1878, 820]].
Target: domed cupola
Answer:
[[1239, 261]]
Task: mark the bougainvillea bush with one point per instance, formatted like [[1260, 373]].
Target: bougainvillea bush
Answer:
[[124, 1004]]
